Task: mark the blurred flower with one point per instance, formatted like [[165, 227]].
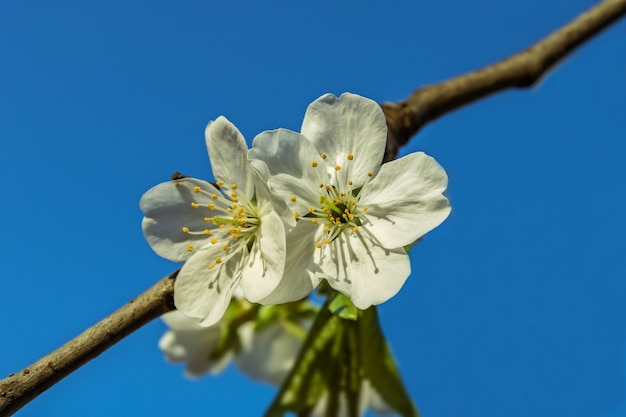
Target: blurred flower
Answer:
[[228, 233], [267, 354], [355, 217]]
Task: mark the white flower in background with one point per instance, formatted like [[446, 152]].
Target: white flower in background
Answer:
[[265, 355], [354, 215], [227, 234], [188, 342]]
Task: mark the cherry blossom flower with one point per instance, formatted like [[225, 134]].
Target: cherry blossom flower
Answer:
[[229, 233], [355, 216]]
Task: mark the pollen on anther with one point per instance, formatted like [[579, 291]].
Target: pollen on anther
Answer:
[[314, 164], [220, 183], [233, 186], [206, 231], [314, 221], [233, 196], [355, 229], [214, 196], [218, 260], [369, 174], [292, 198], [321, 185], [296, 214], [350, 182], [196, 189], [211, 266], [311, 209], [234, 236], [195, 205], [323, 156], [221, 226], [318, 245], [326, 241], [211, 206], [350, 157], [208, 219], [189, 248], [364, 208], [214, 241], [225, 248], [185, 229], [337, 167]]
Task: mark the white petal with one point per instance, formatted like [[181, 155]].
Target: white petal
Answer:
[[350, 124], [367, 273], [167, 208], [269, 201], [263, 269], [405, 200], [298, 279], [268, 354], [228, 153], [286, 152], [187, 341], [205, 293]]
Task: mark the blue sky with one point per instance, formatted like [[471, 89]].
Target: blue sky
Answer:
[[516, 305]]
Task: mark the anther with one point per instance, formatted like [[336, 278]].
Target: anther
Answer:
[[214, 241], [292, 198], [211, 206], [326, 241], [314, 221], [214, 196], [233, 186], [195, 205], [189, 248], [349, 182], [364, 208], [220, 183], [369, 174], [321, 185], [337, 167], [350, 157], [355, 229], [211, 266], [296, 214], [314, 164], [234, 236], [196, 189], [218, 260], [208, 219], [311, 209], [221, 226], [323, 156], [207, 232], [225, 248], [185, 229], [318, 245], [233, 195]]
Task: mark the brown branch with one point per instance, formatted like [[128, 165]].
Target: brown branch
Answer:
[[522, 70], [404, 119], [20, 388]]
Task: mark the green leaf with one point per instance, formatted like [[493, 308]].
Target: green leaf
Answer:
[[343, 307], [380, 367]]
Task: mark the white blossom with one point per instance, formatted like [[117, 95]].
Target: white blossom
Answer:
[[355, 217], [228, 234]]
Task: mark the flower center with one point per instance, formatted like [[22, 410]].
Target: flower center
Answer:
[[231, 222], [339, 210]]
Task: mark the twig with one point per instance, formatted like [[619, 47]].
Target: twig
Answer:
[[404, 119], [18, 389], [522, 70]]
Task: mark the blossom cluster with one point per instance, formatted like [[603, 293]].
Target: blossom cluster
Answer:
[[295, 209]]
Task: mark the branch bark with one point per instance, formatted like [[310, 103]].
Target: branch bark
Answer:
[[404, 119], [522, 70], [20, 388]]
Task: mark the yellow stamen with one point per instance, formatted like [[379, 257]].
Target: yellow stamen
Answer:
[[337, 167], [292, 198], [296, 214], [207, 232], [311, 209], [326, 241], [185, 229], [214, 196], [189, 248], [350, 157], [321, 185], [211, 266], [323, 156], [314, 164], [220, 183], [214, 241], [355, 229], [314, 221], [318, 245], [196, 189], [369, 174], [349, 182], [211, 206], [225, 248], [195, 205], [218, 260], [364, 208], [208, 219], [233, 186]]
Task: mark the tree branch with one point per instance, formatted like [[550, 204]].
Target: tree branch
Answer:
[[18, 389], [522, 70], [404, 119]]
